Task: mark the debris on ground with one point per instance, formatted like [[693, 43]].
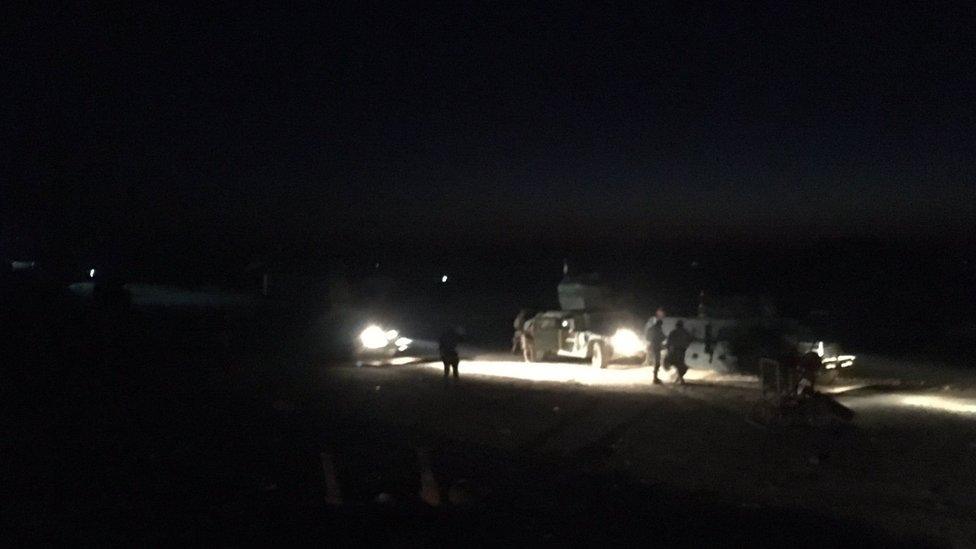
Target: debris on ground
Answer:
[[333, 495], [815, 410], [430, 491]]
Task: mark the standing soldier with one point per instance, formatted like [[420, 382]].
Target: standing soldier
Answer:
[[709, 342], [807, 368], [449, 353], [528, 341], [519, 326], [678, 342], [655, 344]]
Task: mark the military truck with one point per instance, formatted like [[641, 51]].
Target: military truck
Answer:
[[597, 336], [736, 344]]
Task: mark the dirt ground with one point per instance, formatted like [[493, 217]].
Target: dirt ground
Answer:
[[184, 431], [901, 467]]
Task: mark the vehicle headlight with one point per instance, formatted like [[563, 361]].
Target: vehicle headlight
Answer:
[[626, 342], [373, 337]]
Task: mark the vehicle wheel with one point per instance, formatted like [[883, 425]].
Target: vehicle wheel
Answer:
[[599, 356]]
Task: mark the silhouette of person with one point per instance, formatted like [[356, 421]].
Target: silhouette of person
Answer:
[[655, 344], [709, 342], [519, 326], [449, 354], [678, 342]]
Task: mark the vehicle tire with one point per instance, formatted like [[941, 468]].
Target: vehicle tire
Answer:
[[599, 355]]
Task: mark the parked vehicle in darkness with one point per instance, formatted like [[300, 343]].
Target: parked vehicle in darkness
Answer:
[[597, 336]]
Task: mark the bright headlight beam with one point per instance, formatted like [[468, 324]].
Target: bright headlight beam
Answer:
[[955, 405], [625, 342], [562, 372], [373, 337]]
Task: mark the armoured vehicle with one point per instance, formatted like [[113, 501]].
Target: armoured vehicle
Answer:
[[597, 336], [736, 344]]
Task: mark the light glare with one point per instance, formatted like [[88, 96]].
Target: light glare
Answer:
[[373, 337], [564, 372], [955, 405], [626, 343]]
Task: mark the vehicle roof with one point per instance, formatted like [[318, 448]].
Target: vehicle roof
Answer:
[[556, 314], [595, 312]]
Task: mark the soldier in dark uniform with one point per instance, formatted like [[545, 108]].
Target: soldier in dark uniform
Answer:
[[449, 353], [678, 342], [519, 326], [655, 344], [807, 368], [709, 342]]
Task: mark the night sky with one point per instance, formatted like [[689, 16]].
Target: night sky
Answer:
[[491, 124]]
